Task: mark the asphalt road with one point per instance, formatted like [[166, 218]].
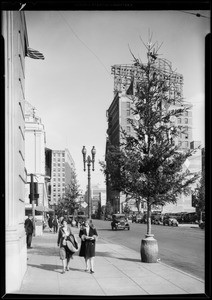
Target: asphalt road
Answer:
[[180, 247]]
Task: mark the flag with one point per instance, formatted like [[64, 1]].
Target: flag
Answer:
[[34, 54], [130, 88]]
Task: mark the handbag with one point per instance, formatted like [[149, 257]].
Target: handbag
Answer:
[[72, 244]]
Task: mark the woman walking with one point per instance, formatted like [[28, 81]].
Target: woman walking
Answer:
[[88, 235], [64, 235]]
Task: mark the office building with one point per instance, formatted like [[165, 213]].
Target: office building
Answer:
[[63, 169]]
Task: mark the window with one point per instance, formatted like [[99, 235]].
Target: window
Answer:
[[186, 113], [63, 154], [186, 120], [179, 120], [54, 170], [58, 164], [128, 105], [128, 128], [128, 112]]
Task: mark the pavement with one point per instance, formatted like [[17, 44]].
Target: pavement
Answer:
[[118, 272]]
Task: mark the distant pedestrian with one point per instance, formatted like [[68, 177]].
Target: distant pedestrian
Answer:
[[88, 235], [28, 224], [55, 224], [65, 234], [50, 223]]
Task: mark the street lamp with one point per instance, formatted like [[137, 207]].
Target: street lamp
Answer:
[[89, 161]]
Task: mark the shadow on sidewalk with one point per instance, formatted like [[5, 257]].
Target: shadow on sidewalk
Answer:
[[104, 254], [46, 267], [53, 268], [40, 250], [130, 259]]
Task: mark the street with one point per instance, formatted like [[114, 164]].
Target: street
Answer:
[[180, 247]]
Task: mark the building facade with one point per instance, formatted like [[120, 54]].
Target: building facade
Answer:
[[35, 163], [14, 43], [63, 168]]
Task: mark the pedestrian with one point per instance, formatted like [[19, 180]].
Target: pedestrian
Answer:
[[28, 224], [55, 224], [50, 223], [65, 234], [88, 236]]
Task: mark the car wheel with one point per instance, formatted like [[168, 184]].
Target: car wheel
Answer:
[[129, 228]]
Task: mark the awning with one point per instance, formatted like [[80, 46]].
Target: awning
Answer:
[[43, 208]]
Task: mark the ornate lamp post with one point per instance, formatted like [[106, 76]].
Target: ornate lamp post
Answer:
[[89, 161]]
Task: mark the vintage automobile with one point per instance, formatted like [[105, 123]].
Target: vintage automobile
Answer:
[[119, 221], [170, 221]]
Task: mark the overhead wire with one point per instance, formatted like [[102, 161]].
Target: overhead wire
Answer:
[[84, 43]]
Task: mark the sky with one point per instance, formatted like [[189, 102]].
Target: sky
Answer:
[[72, 88]]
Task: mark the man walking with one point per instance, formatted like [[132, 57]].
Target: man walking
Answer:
[[29, 230]]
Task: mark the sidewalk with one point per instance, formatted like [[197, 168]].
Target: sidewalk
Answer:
[[118, 271]]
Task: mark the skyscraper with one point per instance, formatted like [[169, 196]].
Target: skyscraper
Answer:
[[63, 168]]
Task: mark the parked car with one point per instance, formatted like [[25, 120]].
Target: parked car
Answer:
[[119, 221], [170, 221], [156, 219], [202, 224]]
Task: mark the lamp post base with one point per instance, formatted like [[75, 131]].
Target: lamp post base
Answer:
[[149, 249]]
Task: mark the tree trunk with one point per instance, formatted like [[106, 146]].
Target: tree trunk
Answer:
[[148, 218]]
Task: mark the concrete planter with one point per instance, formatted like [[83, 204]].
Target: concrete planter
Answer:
[[149, 249]]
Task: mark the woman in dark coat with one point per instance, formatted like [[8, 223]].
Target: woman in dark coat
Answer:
[[63, 235], [88, 236]]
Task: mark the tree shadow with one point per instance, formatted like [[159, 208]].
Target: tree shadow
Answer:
[[104, 254]]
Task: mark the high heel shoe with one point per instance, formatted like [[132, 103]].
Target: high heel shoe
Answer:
[[91, 271]]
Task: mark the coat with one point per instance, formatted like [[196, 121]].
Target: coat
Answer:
[[28, 226], [87, 249]]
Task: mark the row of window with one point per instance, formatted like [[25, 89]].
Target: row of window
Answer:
[[59, 154], [59, 159], [59, 170], [58, 164], [58, 174], [180, 120], [58, 179]]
